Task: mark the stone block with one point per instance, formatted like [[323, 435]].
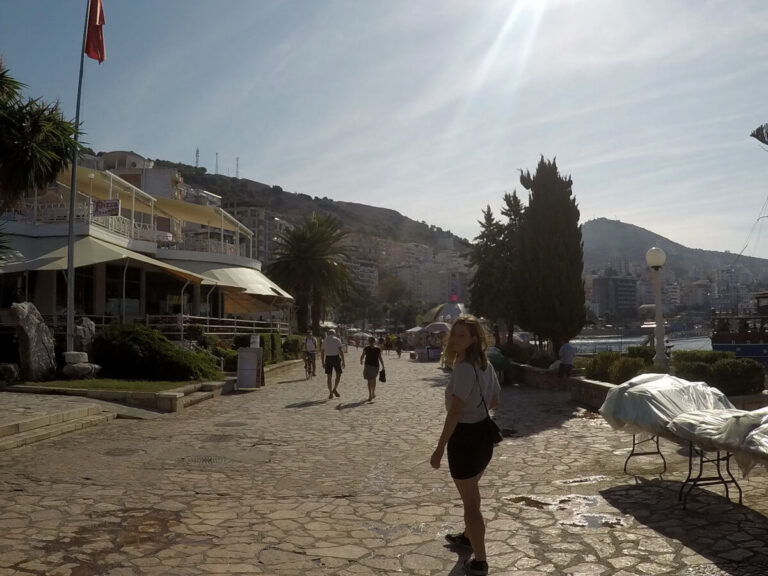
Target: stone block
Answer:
[[80, 370], [75, 357]]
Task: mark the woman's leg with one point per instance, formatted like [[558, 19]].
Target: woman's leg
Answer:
[[371, 386], [469, 490]]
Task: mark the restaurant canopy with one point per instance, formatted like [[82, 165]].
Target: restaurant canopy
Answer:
[[50, 253], [249, 280]]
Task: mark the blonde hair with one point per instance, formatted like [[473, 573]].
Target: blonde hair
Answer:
[[475, 353]]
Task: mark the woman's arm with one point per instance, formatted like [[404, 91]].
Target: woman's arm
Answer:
[[381, 359], [455, 409]]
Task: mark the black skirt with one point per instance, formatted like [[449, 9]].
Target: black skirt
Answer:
[[469, 450]]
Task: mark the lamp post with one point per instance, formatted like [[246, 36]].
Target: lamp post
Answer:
[[655, 258]]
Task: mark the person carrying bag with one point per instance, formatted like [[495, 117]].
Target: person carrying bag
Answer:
[[468, 431]]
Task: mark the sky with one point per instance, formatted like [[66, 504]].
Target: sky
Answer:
[[432, 107]]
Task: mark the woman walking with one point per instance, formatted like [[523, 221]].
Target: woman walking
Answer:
[[471, 391], [372, 356]]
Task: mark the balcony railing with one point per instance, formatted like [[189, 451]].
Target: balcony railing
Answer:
[[173, 327], [208, 245]]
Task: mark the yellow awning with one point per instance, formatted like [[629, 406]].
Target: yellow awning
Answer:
[[50, 253], [198, 214]]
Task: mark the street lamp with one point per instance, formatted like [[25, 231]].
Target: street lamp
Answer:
[[655, 258]]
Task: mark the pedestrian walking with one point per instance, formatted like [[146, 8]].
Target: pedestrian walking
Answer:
[[472, 389], [310, 350], [333, 359], [372, 357], [567, 355]]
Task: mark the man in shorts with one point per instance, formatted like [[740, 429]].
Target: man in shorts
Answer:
[[310, 348], [333, 359]]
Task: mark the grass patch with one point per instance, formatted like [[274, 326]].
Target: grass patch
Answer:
[[110, 384]]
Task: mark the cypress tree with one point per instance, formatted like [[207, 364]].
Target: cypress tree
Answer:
[[551, 257]]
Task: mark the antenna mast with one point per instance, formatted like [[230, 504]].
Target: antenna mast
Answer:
[[197, 157]]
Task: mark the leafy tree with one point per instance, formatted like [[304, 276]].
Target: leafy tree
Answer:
[[493, 288], [552, 256], [36, 142], [486, 286], [309, 263]]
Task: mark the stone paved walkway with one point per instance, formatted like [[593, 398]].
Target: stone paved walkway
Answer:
[[282, 481]]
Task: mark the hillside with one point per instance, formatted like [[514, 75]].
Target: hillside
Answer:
[[610, 242], [607, 243], [293, 207]]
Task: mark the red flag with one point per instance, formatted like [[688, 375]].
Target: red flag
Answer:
[[94, 39]]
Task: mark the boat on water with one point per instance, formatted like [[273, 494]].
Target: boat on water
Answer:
[[745, 334]]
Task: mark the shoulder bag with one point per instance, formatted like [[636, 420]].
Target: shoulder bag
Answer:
[[492, 429]]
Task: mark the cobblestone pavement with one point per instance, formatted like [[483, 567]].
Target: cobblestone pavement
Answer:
[[283, 481]]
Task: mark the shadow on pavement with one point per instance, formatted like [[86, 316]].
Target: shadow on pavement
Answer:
[[352, 405], [463, 556], [306, 404], [438, 380], [530, 410], [293, 381], [730, 536]]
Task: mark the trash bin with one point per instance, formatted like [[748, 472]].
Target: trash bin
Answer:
[[250, 368]]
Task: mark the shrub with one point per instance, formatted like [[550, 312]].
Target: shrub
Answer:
[[133, 351], [229, 357], [195, 332], [624, 369], [646, 353], [599, 364], [540, 358], [706, 356], [266, 345], [277, 346], [694, 371], [520, 352], [293, 346], [737, 376]]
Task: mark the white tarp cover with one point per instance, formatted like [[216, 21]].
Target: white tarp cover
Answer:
[[756, 442], [649, 402], [727, 430]]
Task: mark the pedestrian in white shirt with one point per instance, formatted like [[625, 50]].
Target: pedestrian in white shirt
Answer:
[[333, 359]]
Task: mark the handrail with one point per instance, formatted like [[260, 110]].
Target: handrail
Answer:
[[169, 324]]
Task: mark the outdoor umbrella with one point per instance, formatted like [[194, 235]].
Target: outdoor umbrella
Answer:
[[437, 327]]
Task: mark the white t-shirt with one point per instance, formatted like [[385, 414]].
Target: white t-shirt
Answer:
[[310, 344], [464, 385], [331, 346]]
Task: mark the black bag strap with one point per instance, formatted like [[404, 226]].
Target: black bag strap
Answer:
[[479, 388]]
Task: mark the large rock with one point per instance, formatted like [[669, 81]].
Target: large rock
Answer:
[[36, 347], [85, 332], [80, 370]]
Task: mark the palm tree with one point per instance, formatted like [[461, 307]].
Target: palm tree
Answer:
[[310, 264], [36, 142]]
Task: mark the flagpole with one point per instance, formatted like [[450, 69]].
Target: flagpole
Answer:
[[72, 201]]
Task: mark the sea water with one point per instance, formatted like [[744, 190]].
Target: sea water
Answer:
[[618, 344]]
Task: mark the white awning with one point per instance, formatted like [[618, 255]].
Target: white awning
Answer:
[[50, 253], [251, 281]]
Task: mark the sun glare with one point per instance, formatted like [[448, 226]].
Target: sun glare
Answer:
[[519, 27]]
